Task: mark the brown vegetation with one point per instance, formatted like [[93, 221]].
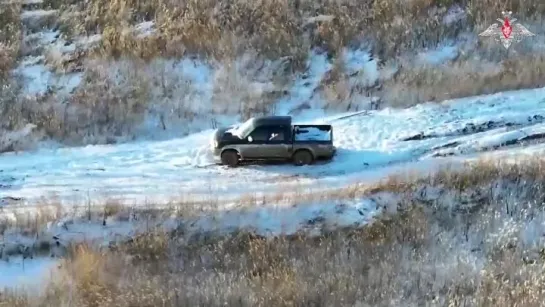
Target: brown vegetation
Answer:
[[414, 258], [278, 28], [102, 110], [463, 78], [10, 36], [423, 254]]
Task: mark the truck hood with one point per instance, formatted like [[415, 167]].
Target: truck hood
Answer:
[[223, 135]]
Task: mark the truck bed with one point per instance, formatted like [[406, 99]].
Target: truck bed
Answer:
[[322, 134]]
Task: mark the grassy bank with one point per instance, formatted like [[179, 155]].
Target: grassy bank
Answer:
[[459, 237]]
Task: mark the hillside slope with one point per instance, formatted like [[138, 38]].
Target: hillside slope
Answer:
[[367, 143], [96, 72]]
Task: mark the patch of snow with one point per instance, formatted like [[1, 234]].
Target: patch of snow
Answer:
[[28, 274], [64, 47], [38, 78], [145, 28], [497, 138], [87, 41], [454, 14], [32, 60], [60, 47], [14, 138], [191, 95], [37, 14], [360, 67], [45, 37], [180, 87], [439, 56], [285, 219], [303, 88], [319, 18], [491, 140], [361, 63], [275, 219]]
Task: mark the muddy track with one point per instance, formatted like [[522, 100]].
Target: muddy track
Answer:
[[471, 128], [529, 140]]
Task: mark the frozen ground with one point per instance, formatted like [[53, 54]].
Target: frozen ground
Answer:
[[371, 145], [28, 274], [272, 219], [367, 142]]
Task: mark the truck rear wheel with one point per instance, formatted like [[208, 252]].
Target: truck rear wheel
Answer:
[[229, 158], [302, 157]]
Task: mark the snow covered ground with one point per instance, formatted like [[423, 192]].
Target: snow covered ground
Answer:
[[366, 143], [269, 219], [371, 145], [27, 274]]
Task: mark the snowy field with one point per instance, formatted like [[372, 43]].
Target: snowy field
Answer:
[[369, 144], [29, 274]]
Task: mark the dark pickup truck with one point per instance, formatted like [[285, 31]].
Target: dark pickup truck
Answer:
[[273, 138]]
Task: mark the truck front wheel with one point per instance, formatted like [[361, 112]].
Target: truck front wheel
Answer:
[[302, 157], [229, 158]]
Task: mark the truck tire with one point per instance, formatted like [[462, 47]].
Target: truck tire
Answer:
[[303, 157], [229, 158]]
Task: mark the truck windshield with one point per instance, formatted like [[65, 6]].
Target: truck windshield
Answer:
[[244, 129]]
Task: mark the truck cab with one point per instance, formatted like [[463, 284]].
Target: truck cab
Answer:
[[273, 138]]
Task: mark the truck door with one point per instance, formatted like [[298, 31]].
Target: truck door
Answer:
[[268, 142], [254, 146], [279, 143]]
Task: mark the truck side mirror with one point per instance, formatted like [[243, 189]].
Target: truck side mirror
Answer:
[[250, 139]]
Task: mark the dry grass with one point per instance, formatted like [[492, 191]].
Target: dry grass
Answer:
[[414, 258], [104, 110], [10, 36], [422, 254], [117, 98], [464, 78], [275, 27], [278, 28], [98, 112], [473, 176]]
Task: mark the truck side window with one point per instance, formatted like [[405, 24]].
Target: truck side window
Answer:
[[277, 134], [260, 134]]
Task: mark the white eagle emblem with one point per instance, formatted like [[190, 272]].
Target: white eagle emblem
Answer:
[[507, 31]]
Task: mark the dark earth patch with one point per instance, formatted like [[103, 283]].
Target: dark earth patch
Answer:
[[471, 128], [535, 138]]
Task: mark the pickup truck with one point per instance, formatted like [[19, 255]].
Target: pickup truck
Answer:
[[273, 138]]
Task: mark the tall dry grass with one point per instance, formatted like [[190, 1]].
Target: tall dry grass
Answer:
[[414, 258], [278, 28], [463, 78], [103, 110], [10, 38]]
